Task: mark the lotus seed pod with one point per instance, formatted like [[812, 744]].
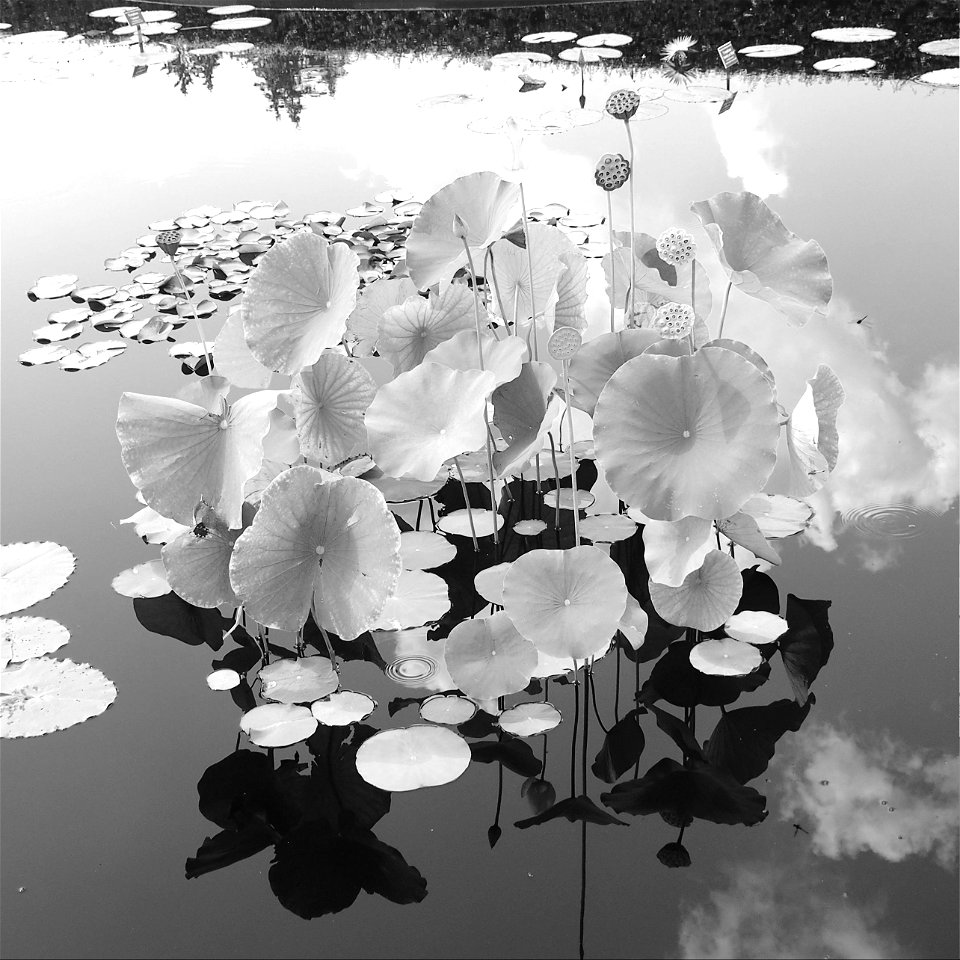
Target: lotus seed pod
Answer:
[[564, 343], [676, 246], [674, 320], [622, 104], [674, 855], [613, 171], [169, 241]]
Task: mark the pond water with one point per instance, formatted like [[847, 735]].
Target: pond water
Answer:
[[858, 853]]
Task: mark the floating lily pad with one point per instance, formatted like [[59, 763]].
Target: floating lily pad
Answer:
[[278, 724], [43, 695], [31, 572], [412, 757], [529, 528], [941, 48], [298, 681], [343, 708], [22, 638], [950, 77], [448, 708], [230, 10], [565, 498], [605, 40], [419, 598], [756, 626], [844, 64], [589, 54], [607, 527], [854, 34], [550, 36], [241, 23], [488, 658], [458, 523], [53, 287], [42, 355], [765, 50], [529, 719], [725, 657], [707, 597], [421, 550], [225, 679], [144, 580], [90, 355]]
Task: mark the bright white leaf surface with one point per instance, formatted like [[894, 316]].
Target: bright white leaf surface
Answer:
[[523, 411], [419, 598], [422, 550], [363, 325], [223, 679], [412, 757], [343, 708], [517, 296], [778, 516], [22, 638], [607, 527], [673, 550], [197, 563], [529, 719], [152, 528], [42, 695], [756, 626], [812, 439], [634, 622], [234, 358], [706, 598], [597, 361], [31, 572], [488, 658], [462, 523], [489, 582], [503, 358], [725, 658], [743, 530], [448, 708], [278, 724], [144, 580]]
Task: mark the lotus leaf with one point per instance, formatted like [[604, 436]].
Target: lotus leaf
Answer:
[[298, 300], [503, 358], [779, 516], [756, 626], [529, 719], [598, 359], [31, 572], [363, 325], [419, 598], [948, 77], [743, 530], [607, 527], [278, 724], [421, 550], [634, 623], [812, 438], [426, 416], [448, 708], [197, 563], [725, 657], [234, 358], [22, 638], [475, 210], [313, 539], [706, 598], [144, 580], [516, 295], [687, 436], [488, 658], [523, 411], [671, 551], [343, 708], [405, 489], [489, 582], [464, 523], [412, 757], [225, 679], [844, 64], [298, 681], [764, 259]]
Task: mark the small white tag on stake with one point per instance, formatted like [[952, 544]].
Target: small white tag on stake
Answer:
[[134, 16], [728, 56]]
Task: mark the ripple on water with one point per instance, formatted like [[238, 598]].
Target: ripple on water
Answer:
[[412, 671], [896, 520]]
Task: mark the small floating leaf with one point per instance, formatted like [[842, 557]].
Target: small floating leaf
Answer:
[[488, 658], [144, 580], [449, 708], [278, 724], [343, 708], [412, 757], [421, 550], [529, 719], [725, 657], [31, 572], [22, 638], [224, 679]]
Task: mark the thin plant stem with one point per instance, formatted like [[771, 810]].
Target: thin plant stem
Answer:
[[573, 735], [596, 709], [573, 462], [583, 883], [496, 287], [613, 266], [556, 473], [587, 677], [616, 694], [633, 224], [723, 311], [526, 241], [693, 302], [466, 500], [193, 310]]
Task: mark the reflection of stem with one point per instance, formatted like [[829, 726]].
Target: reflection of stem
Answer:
[[466, 500], [723, 311], [613, 267], [573, 736], [587, 676], [193, 310], [596, 709], [556, 473], [526, 240], [583, 882], [616, 695], [633, 225], [573, 464]]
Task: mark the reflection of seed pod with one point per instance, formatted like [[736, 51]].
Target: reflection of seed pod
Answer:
[[673, 855], [674, 320], [169, 241], [564, 343], [613, 170], [676, 246], [622, 104]]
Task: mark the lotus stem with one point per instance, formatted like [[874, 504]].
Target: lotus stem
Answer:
[[573, 462], [633, 223], [556, 474], [616, 692], [488, 256], [613, 266], [587, 677], [573, 736], [326, 637], [236, 621], [526, 241], [419, 512], [596, 708], [193, 310], [466, 500], [693, 301], [723, 311]]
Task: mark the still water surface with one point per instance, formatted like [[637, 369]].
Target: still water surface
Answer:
[[98, 820]]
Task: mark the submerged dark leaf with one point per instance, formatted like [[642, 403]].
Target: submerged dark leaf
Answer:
[[494, 833], [759, 593], [514, 754], [226, 848], [621, 749], [540, 794], [235, 791], [806, 646], [574, 809], [677, 731], [174, 617]]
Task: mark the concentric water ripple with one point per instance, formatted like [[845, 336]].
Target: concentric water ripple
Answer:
[[894, 520], [412, 671]]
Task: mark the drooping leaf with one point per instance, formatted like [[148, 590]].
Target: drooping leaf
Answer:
[[574, 809], [514, 754], [812, 439], [806, 646], [621, 749]]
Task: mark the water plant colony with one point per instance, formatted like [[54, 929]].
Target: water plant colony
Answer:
[[615, 492]]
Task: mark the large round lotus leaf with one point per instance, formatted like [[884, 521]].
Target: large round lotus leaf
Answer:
[[488, 658], [687, 436], [448, 708], [764, 259], [278, 724], [412, 757], [234, 359], [529, 719], [599, 359], [706, 598], [503, 358], [343, 708], [297, 301], [426, 416], [363, 325], [419, 598], [329, 401], [941, 48], [673, 550], [566, 601], [298, 681], [198, 562], [410, 330], [756, 626], [516, 295], [144, 580], [43, 695], [725, 658], [333, 540], [22, 638], [479, 209], [489, 582], [30, 572], [523, 411], [812, 439], [178, 453], [422, 550]]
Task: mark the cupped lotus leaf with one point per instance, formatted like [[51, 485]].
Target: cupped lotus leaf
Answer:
[[756, 626], [517, 295], [488, 658], [599, 359], [764, 259], [31, 572], [706, 598], [523, 411], [278, 724], [405, 489], [225, 679], [503, 358], [489, 582], [22, 638], [607, 527], [422, 550], [725, 657], [153, 528], [634, 623], [465, 523], [363, 325], [144, 580], [343, 708], [301, 680], [410, 758], [529, 719], [297, 301], [419, 598], [179, 454], [671, 551], [333, 541], [812, 440], [778, 516], [234, 358], [409, 331], [746, 352], [472, 211], [426, 416], [42, 695], [744, 531], [566, 602], [551, 666], [329, 401], [570, 307], [687, 436], [449, 708], [197, 563]]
